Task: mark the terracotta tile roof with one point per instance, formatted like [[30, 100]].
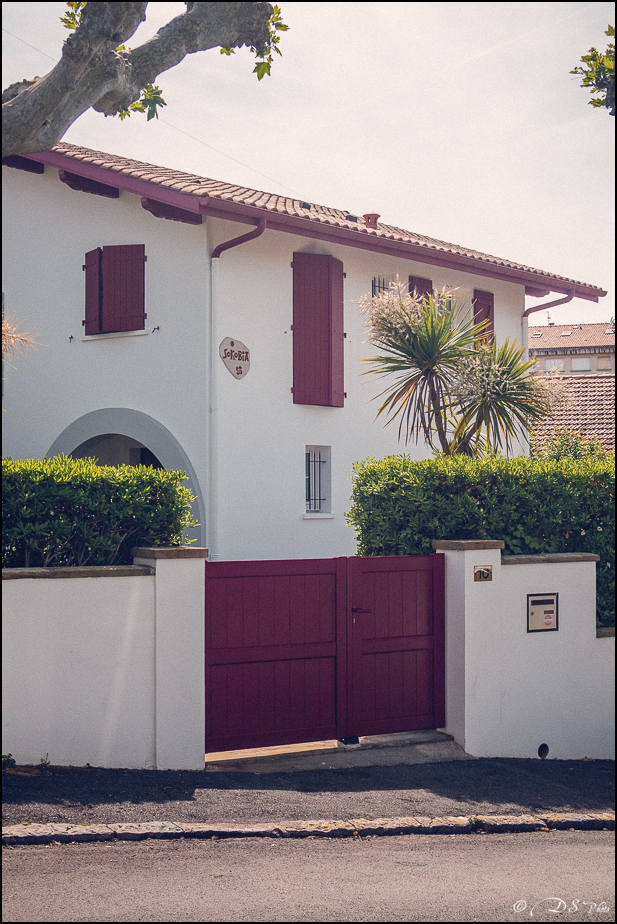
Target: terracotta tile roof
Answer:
[[589, 409], [201, 187], [571, 335]]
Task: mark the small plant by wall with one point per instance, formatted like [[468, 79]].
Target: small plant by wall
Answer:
[[64, 511], [535, 505]]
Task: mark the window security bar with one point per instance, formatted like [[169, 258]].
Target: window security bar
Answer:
[[314, 500], [380, 284]]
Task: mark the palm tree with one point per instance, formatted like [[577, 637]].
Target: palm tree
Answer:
[[452, 383]]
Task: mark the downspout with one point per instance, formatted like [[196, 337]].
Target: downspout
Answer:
[[559, 301], [528, 311], [212, 493]]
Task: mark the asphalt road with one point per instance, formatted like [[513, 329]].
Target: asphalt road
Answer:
[[494, 877]]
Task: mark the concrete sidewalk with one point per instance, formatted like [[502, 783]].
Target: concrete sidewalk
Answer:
[[423, 770]]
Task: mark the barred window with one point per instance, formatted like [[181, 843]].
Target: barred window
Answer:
[[317, 477], [380, 284]]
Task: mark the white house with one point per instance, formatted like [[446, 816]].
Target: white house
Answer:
[[215, 329]]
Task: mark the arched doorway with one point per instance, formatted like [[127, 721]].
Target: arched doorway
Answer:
[[122, 436]]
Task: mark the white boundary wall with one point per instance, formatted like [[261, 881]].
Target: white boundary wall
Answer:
[[109, 669], [508, 691], [106, 669]]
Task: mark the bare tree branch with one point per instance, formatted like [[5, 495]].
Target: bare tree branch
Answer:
[[94, 72]]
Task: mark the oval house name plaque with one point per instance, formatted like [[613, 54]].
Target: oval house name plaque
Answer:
[[236, 357]]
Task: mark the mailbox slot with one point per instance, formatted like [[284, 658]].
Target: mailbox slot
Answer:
[[542, 612]]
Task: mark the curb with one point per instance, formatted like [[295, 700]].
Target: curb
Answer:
[[357, 827]]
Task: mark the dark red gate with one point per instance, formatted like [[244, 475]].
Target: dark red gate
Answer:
[[317, 649]]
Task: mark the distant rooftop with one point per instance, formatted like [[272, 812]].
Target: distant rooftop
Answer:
[[571, 335], [589, 409]]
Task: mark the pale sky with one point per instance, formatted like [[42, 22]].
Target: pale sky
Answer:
[[456, 120]]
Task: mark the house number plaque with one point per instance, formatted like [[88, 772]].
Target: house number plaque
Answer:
[[236, 357]]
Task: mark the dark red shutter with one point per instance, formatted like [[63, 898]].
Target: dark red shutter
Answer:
[[318, 349], [484, 309], [123, 288], [424, 287], [92, 267]]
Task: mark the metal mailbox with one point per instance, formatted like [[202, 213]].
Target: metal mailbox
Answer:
[[542, 612]]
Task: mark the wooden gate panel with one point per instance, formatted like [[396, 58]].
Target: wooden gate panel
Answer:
[[317, 649], [271, 650], [396, 656]]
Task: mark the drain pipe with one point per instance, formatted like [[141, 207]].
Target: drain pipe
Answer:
[[559, 301], [528, 311], [212, 457]]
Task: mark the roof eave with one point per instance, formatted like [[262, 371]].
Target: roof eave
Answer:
[[536, 283]]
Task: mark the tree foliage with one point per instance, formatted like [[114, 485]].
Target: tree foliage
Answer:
[[563, 443], [452, 383], [97, 70], [598, 72]]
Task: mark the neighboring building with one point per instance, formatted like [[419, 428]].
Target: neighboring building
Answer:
[[589, 409], [234, 353], [585, 355], [574, 348]]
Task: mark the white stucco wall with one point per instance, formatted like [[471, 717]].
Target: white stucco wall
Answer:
[[509, 691], [263, 435], [257, 484], [78, 671], [106, 670], [48, 228]]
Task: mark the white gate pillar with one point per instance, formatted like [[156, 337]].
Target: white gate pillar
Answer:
[[179, 634], [527, 673], [470, 699]]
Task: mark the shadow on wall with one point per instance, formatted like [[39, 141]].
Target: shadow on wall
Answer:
[[115, 449]]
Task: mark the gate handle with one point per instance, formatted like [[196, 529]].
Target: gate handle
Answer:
[[358, 609]]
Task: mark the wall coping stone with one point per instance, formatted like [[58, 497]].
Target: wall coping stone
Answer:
[[467, 545], [79, 571], [549, 558], [605, 632], [173, 551]]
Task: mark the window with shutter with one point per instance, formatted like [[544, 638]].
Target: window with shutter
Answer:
[[423, 287], [318, 314], [484, 310], [115, 289]]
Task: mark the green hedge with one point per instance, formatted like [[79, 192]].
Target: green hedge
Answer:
[[64, 511], [535, 505]]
